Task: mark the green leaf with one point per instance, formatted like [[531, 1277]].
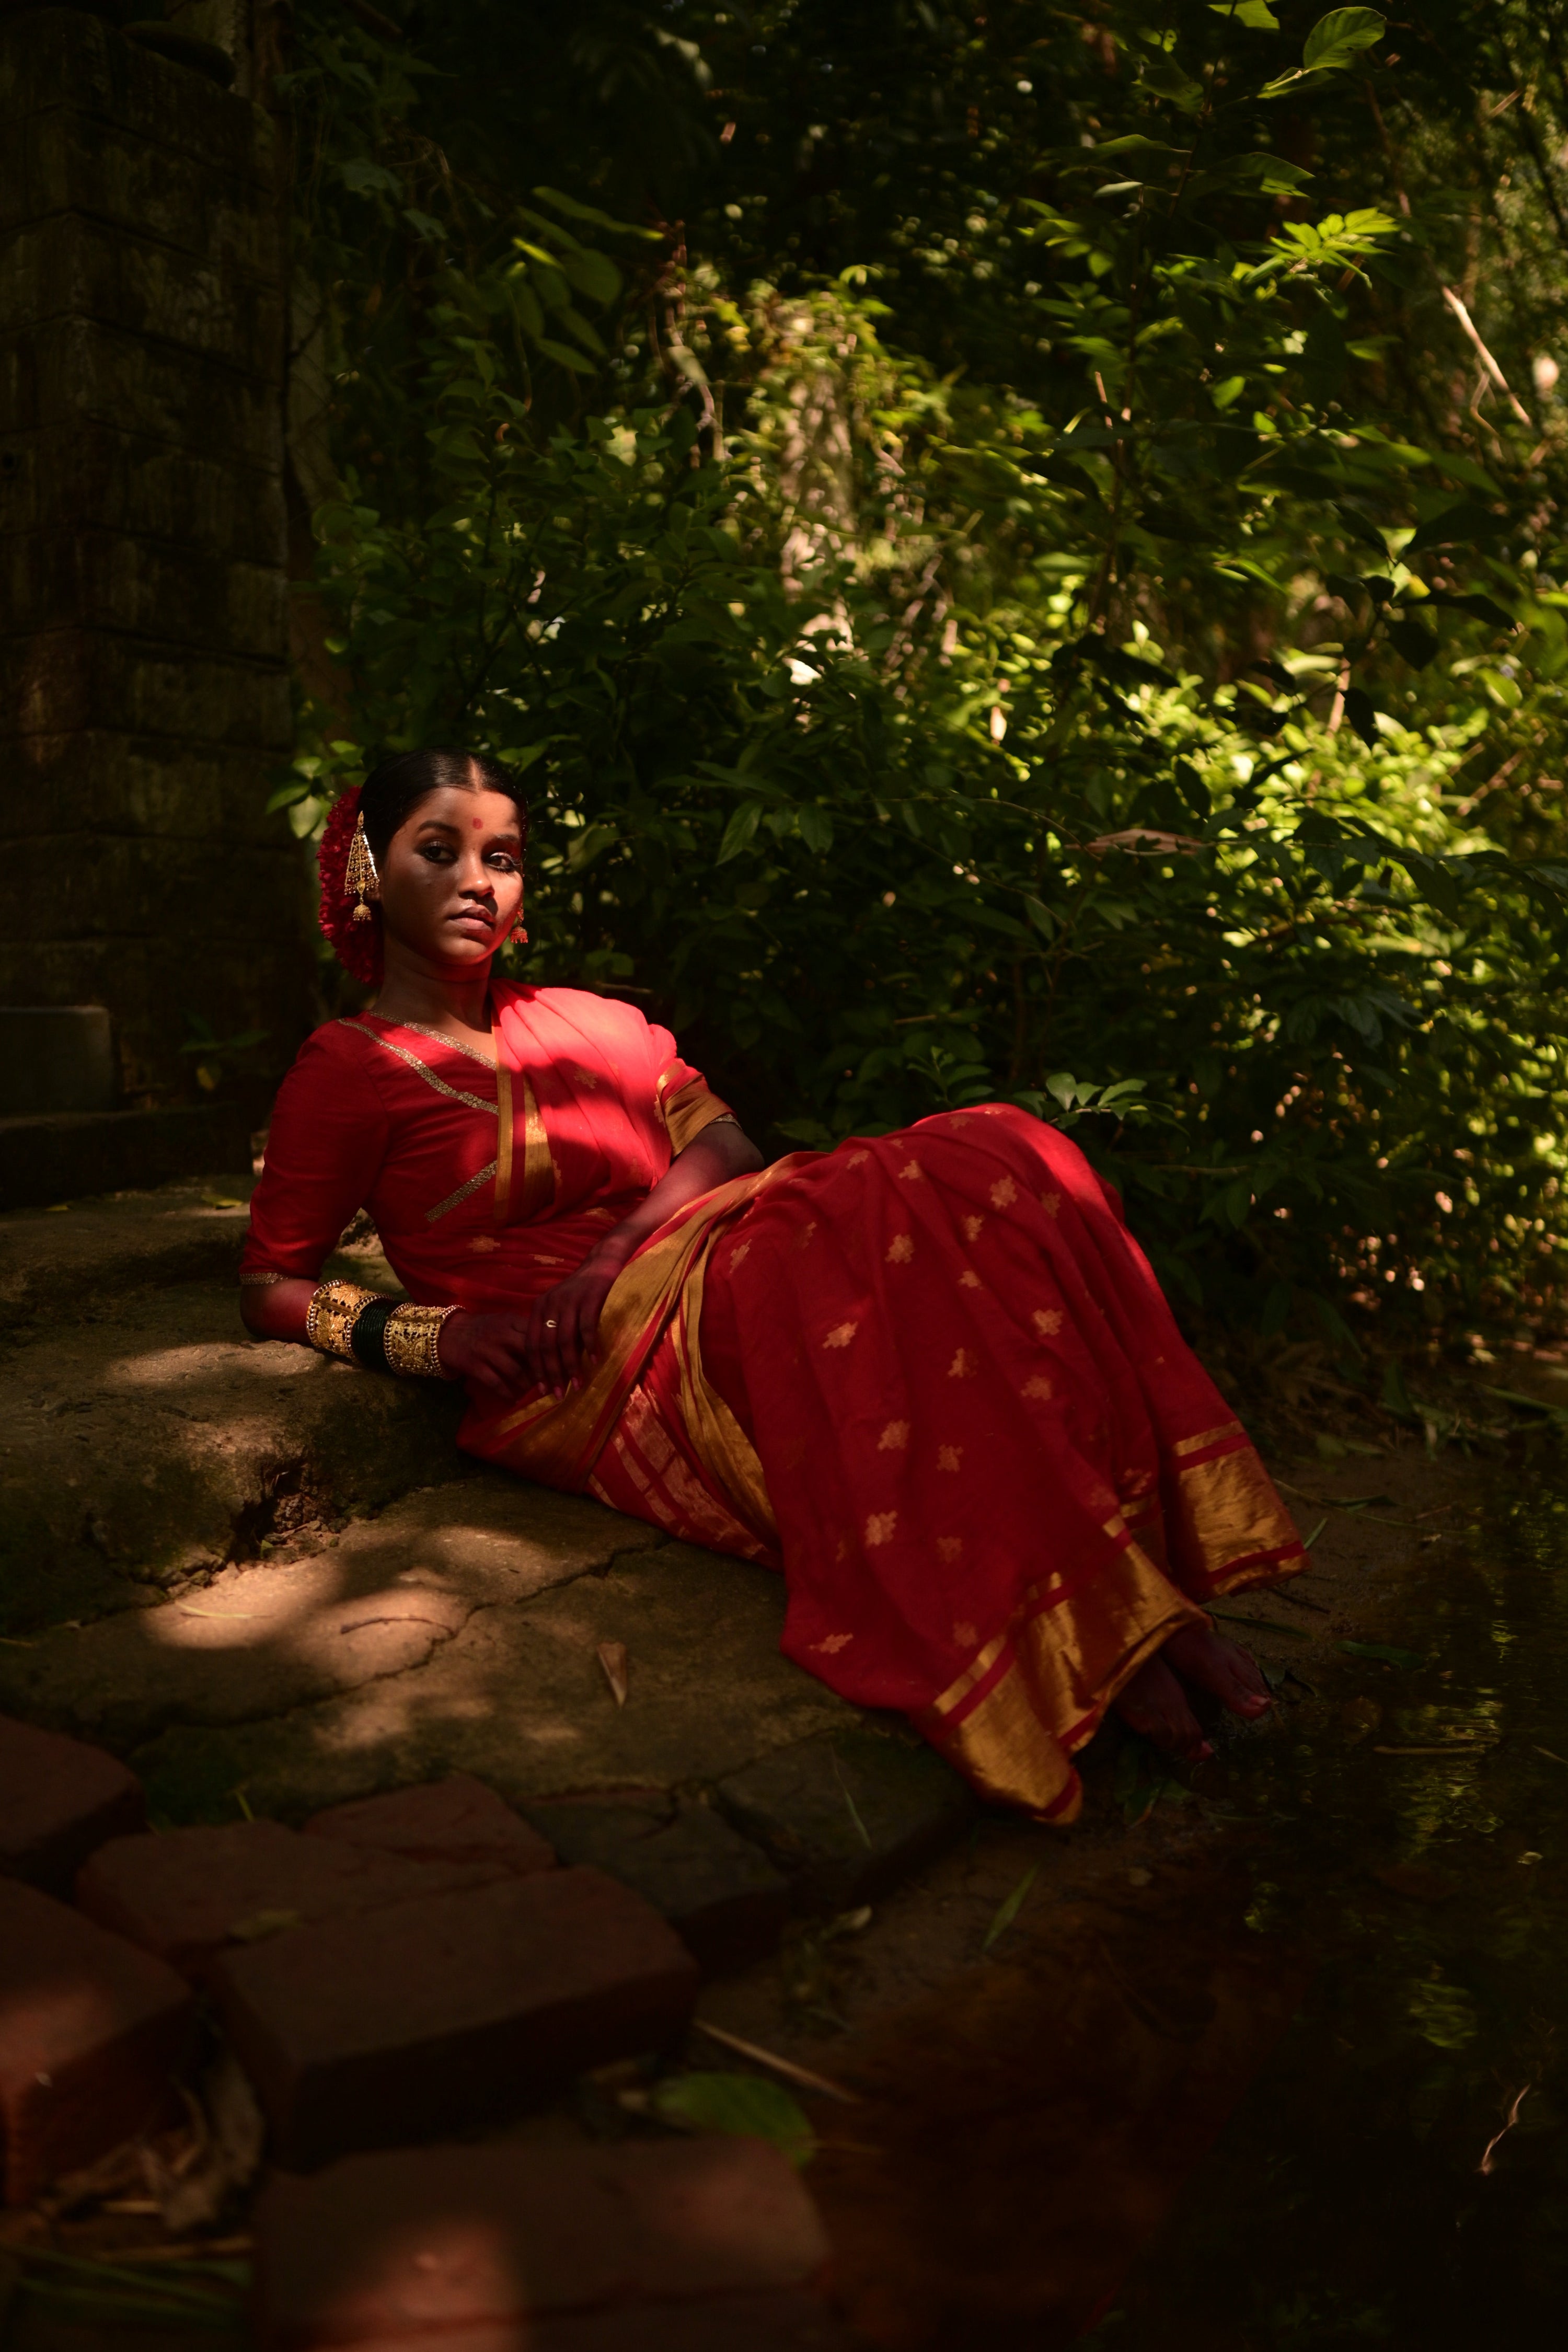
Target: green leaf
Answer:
[[1417, 644], [564, 355], [1009, 1907], [1336, 38], [594, 274], [574, 210], [740, 831], [1361, 712], [1457, 524], [1380, 1650], [743, 2106], [1255, 15]]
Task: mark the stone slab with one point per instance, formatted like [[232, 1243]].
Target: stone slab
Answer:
[[89, 2029], [519, 1699], [388, 2248], [59, 1800], [148, 1440], [190, 1896], [455, 1820], [175, 1232], [55, 1057], [446, 2013], [848, 1814], [718, 1890], [262, 1638], [66, 1156]]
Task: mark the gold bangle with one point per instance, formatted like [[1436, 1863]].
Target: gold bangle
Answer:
[[335, 1308], [411, 1342]]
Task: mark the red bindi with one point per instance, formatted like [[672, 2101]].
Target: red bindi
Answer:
[[479, 825]]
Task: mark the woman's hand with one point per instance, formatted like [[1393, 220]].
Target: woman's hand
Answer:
[[563, 1326], [549, 1347]]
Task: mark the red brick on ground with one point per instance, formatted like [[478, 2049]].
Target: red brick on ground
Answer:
[[457, 1820], [59, 1799], [458, 2009], [188, 1894], [473, 2244], [793, 2322], [89, 2029]]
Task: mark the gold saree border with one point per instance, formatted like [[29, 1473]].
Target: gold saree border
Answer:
[[503, 1133], [687, 1110], [1033, 1695], [1226, 1523], [558, 1439]]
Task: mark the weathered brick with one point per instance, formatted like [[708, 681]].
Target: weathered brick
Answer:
[[68, 473], [59, 1799], [439, 2015], [90, 782], [107, 580], [51, 162], [796, 2321], [717, 1889], [89, 2029], [187, 1894], [64, 57], [381, 2249], [96, 372], [455, 1820], [69, 267], [157, 878], [847, 1815], [64, 679]]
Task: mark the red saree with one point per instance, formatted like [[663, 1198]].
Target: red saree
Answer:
[[930, 1376]]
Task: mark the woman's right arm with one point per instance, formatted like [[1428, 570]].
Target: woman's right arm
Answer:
[[276, 1310], [324, 1151]]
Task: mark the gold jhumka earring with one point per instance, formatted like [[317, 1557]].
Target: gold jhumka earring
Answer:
[[360, 879]]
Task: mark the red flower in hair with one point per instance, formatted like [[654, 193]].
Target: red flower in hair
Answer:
[[357, 946]]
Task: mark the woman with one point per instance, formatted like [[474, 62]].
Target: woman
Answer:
[[930, 1375]]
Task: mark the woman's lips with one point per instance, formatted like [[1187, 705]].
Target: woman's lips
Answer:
[[472, 919]]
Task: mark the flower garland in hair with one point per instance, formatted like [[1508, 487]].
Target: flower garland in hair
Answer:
[[357, 946]]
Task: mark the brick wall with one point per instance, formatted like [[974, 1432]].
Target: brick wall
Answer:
[[143, 629]]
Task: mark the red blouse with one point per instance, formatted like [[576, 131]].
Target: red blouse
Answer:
[[488, 1184]]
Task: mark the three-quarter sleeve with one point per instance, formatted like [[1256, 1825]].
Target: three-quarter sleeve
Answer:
[[324, 1150]]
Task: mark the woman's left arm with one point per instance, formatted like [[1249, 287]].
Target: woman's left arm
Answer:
[[563, 1326]]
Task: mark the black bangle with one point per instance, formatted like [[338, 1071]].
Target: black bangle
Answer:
[[367, 1337]]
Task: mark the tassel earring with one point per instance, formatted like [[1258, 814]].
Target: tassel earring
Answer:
[[360, 879], [519, 936]]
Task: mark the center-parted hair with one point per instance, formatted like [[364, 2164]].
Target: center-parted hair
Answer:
[[389, 796], [395, 788]]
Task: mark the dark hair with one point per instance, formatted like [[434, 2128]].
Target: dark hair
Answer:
[[395, 788]]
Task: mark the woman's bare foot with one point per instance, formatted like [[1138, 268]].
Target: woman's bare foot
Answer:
[[1154, 1703], [1221, 1667]]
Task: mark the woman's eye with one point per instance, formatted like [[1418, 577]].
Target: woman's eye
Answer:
[[437, 852], [504, 860]]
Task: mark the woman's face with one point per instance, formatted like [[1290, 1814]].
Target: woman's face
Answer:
[[451, 880]]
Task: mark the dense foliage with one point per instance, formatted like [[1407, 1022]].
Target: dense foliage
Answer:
[[1019, 550]]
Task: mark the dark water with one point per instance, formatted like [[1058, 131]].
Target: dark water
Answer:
[[1361, 2194], [1255, 2095]]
